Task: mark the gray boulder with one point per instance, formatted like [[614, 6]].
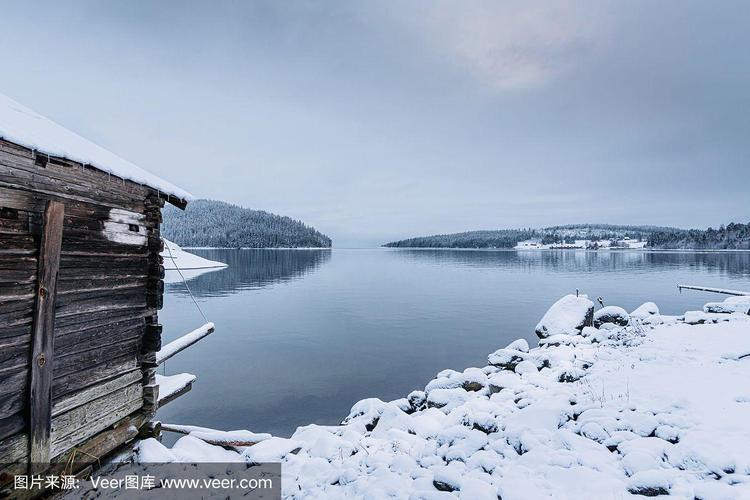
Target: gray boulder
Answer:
[[611, 314]]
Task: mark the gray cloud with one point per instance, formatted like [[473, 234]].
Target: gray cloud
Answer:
[[377, 120]]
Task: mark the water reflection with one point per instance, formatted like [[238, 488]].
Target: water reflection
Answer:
[[248, 269], [734, 264], [172, 276]]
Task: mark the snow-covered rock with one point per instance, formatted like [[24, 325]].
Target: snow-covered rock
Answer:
[[271, 450], [611, 314], [525, 367], [645, 310], [695, 317], [518, 345], [507, 359], [566, 316], [731, 305]]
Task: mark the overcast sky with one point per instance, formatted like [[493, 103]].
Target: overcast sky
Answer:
[[375, 121]]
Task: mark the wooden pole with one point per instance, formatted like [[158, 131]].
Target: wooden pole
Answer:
[[182, 343], [739, 293], [43, 339]]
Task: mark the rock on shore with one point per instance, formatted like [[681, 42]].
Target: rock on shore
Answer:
[[567, 316]]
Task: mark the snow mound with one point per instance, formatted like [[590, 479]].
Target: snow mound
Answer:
[[177, 258], [645, 310], [566, 316]]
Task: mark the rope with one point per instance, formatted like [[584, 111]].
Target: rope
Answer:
[[184, 281]]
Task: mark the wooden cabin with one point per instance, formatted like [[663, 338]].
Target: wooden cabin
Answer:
[[80, 287]]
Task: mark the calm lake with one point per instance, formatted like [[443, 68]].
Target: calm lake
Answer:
[[301, 335]]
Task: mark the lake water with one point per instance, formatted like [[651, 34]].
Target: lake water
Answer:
[[301, 335]]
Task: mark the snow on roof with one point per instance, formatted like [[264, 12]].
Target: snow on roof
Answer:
[[25, 127]]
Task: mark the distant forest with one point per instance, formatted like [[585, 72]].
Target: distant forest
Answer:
[[210, 223], [733, 236]]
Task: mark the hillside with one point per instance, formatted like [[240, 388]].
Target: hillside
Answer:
[[211, 223], [733, 236], [507, 238]]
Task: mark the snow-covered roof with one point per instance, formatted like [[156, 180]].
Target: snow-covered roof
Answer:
[[25, 127]]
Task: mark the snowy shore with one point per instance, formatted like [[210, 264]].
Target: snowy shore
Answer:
[[642, 404]]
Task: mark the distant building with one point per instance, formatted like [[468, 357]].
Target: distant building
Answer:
[[529, 245]]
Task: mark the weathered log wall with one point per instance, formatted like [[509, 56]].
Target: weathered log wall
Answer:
[[109, 289]]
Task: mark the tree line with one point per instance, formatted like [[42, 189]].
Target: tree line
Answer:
[[211, 223], [732, 236]]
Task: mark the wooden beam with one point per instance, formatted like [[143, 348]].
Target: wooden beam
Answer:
[[40, 403], [216, 437], [739, 293], [183, 342]]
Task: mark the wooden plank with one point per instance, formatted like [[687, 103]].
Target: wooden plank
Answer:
[[16, 318], [19, 276], [90, 375], [102, 444], [59, 189], [17, 244], [75, 426], [14, 449], [8, 330], [122, 300], [129, 293], [90, 393], [213, 436], [65, 365], [31, 204], [78, 333], [22, 304], [72, 286], [75, 418], [92, 450], [182, 343], [97, 263], [67, 180], [21, 291], [739, 293], [14, 382], [84, 320], [14, 402], [40, 394], [12, 425], [96, 320], [76, 345], [15, 355]]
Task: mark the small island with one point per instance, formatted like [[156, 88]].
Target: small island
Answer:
[[216, 224]]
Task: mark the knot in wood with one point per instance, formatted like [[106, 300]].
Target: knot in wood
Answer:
[[41, 360]]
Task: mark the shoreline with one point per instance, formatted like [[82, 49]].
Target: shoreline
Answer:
[[257, 248], [623, 408], [533, 250], [530, 250]]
